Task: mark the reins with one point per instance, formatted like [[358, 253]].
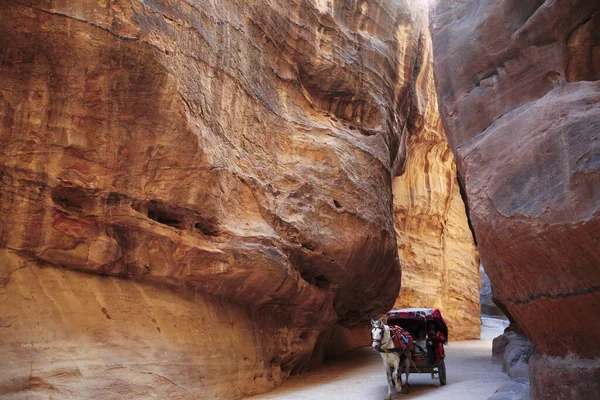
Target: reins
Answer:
[[391, 339], [378, 348]]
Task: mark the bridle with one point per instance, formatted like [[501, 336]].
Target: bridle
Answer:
[[379, 341]]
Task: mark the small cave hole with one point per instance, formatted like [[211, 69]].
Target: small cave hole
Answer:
[[288, 363], [308, 245], [164, 217], [322, 282], [207, 226], [65, 203], [114, 199], [304, 335], [73, 199], [337, 204], [319, 281]]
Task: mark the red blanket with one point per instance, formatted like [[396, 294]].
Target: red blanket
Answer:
[[402, 339]]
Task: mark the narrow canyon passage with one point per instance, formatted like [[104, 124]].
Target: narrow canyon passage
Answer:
[[203, 199], [359, 375]]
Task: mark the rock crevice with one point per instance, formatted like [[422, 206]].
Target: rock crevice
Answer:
[[440, 263]]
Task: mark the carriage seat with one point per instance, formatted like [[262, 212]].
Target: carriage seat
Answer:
[[420, 339]]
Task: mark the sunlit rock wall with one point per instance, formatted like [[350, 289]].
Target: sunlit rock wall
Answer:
[[519, 87], [193, 194], [440, 264]]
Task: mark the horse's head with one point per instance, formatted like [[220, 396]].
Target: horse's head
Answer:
[[377, 330]]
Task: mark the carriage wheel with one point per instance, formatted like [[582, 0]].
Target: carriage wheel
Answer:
[[442, 373]]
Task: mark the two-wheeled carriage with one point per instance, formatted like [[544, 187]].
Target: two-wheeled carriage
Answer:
[[430, 333]]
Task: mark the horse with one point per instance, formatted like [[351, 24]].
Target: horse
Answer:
[[393, 357]]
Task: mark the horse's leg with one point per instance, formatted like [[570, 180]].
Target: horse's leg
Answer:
[[407, 369], [388, 374], [397, 374], [389, 380], [400, 368]]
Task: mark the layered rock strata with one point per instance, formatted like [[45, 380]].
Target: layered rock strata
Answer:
[[193, 194], [72, 335], [440, 264], [519, 89]]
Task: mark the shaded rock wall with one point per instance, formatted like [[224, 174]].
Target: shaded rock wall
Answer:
[[520, 97], [486, 296], [440, 264], [222, 168]]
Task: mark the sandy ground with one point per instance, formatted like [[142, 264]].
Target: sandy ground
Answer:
[[360, 375]]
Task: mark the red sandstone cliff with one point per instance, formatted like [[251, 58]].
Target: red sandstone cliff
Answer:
[[519, 89]]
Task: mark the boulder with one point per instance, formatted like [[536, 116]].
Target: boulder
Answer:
[[513, 350], [499, 344], [516, 389], [516, 355]]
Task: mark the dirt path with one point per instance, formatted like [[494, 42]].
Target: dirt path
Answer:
[[360, 376]]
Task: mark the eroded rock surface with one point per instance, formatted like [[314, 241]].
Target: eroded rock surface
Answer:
[[564, 378], [228, 164], [520, 97], [513, 350], [516, 389], [440, 264], [68, 334]]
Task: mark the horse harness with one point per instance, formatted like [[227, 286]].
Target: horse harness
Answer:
[[393, 350], [386, 350]]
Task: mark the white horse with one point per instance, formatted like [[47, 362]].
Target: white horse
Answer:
[[392, 357]]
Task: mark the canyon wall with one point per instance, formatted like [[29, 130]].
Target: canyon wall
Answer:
[[440, 263], [194, 194], [519, 90]]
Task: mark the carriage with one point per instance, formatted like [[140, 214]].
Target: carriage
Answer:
[[429, 354]]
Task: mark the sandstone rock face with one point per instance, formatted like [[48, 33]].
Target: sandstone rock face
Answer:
[[486, 296], [440, 264], [221, 171], [564, 378], [68, 334], [520, 97]]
